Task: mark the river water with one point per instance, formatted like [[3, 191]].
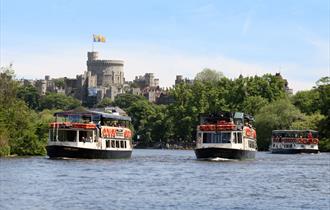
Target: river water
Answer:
[[167, 179]]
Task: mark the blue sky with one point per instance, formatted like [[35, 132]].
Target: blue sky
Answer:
[[169, 37]]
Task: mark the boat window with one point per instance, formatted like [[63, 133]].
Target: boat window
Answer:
[[251, 144], [117, 144], [225, 137], [125, 144], [122, 144], [216, 138], [206, 138], [239, 137], [67, 135], [113, 144], [115, 123], [86, 136], [51, 135], [107, 143]]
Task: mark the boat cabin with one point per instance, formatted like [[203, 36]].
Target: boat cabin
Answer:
[[91, 128], [230, 130]]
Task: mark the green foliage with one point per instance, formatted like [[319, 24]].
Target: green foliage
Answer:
[[209, 75], [59, 82], [104, 103], [307, 101], [124, 101], [324, 145], [248, 94], [252, 104], [324, 131], [25, 132], [150, 121], [308, 122], [42, 124], [17, 122], [58, 101], [312, 102], [278, 115], [142, 113], [323, 87], [30, 95], [8, 86], [4, 142]]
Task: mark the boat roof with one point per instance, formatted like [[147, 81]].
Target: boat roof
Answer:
[[90, 112], [226, 115], [293, 130]]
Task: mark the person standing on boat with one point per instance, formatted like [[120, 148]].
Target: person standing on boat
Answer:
[[310, 135]]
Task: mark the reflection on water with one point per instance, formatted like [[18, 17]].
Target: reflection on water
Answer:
[[166, 179]]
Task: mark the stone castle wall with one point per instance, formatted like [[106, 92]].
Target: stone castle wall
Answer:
[[109, 72]]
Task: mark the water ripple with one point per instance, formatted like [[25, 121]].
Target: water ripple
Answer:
[[166, 179]]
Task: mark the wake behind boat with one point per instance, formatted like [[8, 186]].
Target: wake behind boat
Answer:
[[226, 136], [89, 134]]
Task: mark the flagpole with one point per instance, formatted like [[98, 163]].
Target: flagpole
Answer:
[[93, 43]]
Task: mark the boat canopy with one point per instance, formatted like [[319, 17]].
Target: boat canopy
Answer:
[[237, 117], [293, 131], [93, 113]]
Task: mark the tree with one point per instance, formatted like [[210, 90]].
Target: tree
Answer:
[[60, 83], [17, 121], [252, 104], [209, 75], [142, 113], [307, 101], [58, 101], [8, 86], [278, 115], [323, 87], [308, 122], [104, 102], [126, 100], [8, 89], [30, 95]]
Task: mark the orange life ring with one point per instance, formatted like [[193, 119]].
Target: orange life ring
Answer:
[[305, 141], [127, 134], [315, 141], [247, 131], [300, 141]]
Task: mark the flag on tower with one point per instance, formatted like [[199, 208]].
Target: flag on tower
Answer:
[[98, 38]]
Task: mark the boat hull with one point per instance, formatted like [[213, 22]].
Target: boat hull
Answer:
[[206, 153], [56, 151], [293, 151]]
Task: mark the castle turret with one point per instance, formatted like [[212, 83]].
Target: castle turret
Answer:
[[92, 56], [109, 72]]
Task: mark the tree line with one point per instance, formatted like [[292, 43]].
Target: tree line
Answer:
[[24, 114]]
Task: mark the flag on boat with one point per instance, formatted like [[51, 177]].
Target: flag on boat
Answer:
[[98, 38]]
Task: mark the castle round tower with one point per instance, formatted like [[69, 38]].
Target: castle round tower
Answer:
[[109, 72]]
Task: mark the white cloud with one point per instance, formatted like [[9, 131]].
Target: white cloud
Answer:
[[165, 65]]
